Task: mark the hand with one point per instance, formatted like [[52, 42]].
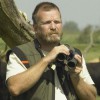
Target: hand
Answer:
[[76, 70], [51, 56]]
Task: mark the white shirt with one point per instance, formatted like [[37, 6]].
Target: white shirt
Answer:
[[15, 66]]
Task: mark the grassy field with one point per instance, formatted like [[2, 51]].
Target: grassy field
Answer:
[[93, 53]]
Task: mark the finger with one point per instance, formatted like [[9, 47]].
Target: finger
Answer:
[[75, 70], [79, 59]]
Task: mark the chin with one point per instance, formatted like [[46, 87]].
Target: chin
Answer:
[[54, 39]]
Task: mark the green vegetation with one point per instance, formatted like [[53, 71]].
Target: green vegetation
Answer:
[[94, 51]]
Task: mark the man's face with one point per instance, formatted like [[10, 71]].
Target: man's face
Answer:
[[49, 26]]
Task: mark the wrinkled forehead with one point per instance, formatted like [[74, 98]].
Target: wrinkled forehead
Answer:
[[47, 9], [52, 14]]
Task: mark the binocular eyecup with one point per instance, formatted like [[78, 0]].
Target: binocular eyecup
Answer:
[[71, 61]]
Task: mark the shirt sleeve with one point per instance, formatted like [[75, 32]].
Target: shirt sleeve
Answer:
[[14, 66], [85, 74]]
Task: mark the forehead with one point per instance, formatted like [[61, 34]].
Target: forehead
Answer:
[[50, 14]]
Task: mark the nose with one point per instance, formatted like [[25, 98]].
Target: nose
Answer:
[[53, 26]]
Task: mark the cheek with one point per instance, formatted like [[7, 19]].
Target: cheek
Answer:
[[40, 30], [44, 29], [60, 27]]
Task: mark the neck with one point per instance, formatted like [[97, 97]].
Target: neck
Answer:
[[48, 46]]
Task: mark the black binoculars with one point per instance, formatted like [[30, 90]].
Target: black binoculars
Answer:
[[71, 61]]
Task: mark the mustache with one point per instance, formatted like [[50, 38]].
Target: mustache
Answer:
[[53, 33]]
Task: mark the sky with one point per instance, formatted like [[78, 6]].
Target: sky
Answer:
[[83, 12]]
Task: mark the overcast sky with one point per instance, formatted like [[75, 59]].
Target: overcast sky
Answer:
[[83, 12]]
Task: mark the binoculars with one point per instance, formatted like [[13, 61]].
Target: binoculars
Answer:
[[71, 61]]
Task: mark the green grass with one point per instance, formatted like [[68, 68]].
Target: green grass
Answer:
[[98, 98], [94, 51]]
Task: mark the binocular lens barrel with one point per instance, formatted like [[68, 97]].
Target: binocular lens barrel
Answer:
[[72, 63]]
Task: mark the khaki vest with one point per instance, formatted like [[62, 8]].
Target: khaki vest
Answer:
[[45, 87]]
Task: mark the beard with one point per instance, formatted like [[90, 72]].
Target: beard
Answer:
[[50, 37]]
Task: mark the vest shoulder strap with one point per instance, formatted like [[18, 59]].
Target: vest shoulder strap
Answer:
[[20, 55]]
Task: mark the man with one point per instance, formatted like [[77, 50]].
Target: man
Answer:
[[32, 69]]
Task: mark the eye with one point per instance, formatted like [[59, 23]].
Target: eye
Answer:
[[49, 22], [57, 22], [46, 22]]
